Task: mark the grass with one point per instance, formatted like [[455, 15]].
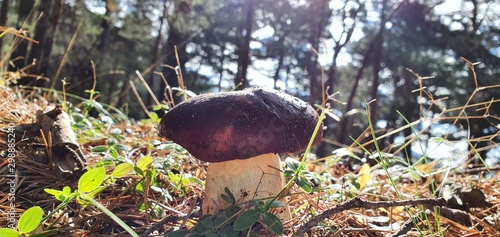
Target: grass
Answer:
[[171, 184]]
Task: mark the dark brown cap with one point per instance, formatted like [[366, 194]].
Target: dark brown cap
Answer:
[[224, 126]]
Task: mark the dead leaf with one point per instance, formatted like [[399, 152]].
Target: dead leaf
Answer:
[[364, 176]]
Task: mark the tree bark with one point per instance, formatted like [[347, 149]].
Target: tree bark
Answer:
[[176, 39], [111, 8], [339, 44], [374, 47], [50, 11], [347, 31], [18, 57], [4, 9], [102, 47], [241, 80], [342, 135], [221, 67], [377, 64], [276, 76], [314, 39], [156, 52]]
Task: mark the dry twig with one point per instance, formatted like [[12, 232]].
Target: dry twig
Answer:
[[359, 203]]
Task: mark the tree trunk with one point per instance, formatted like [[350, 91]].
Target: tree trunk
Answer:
[[377, 64], [314, 39], [374, 47], [241, 80], [50, 11], [276, 76], [175, 39], [4, 9], [347, 31], [111, 8], [342, 135], [156, 52], [18, 57], [102, 47], [220, 70]]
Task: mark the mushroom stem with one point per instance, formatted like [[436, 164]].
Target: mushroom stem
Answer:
[[258, 177]]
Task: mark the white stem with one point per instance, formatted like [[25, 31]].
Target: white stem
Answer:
[[254, 178]]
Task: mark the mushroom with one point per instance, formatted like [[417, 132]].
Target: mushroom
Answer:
[[240, 134]]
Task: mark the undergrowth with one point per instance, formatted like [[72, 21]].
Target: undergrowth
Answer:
[[136, 183]]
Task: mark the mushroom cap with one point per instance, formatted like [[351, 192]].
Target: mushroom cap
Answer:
[[217, 127]]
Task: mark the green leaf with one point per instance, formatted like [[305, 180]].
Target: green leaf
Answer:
[[437, 139], [182, 91], [292, 163], [140, 186], [7, 232], [201, 228], [77, 117], [151, 174], [111, 141], [273, 223], [96, 191], [219, 221], [107, 161], [30, 220], [99, 149], [160, 107], [179, 233], [122, 169], [66, 191], [288, 173], [304, 184], [121, 147], [226, 198], [229, 232], [153, 117], [195, 180], [246, 220], [91, 179], [140, 206], [208, 223], [276, 204], [82, 201], [93, 104], [115, 131], [229, 198], [231, 211], [144, 162], [59, 195], [260, 206], [138, 171], [113, 153]]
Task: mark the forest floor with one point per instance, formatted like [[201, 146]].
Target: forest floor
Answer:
[[160, 187]]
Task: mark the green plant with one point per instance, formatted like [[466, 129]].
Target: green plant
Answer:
[[298, 170], [382, 160], [236, 220], [113, 147], [28, 222], [89, 185], [153, 116], [172, 183]]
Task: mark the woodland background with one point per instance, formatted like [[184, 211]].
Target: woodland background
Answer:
[[363, 50]]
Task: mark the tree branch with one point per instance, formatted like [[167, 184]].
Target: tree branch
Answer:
[[359, 203]]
